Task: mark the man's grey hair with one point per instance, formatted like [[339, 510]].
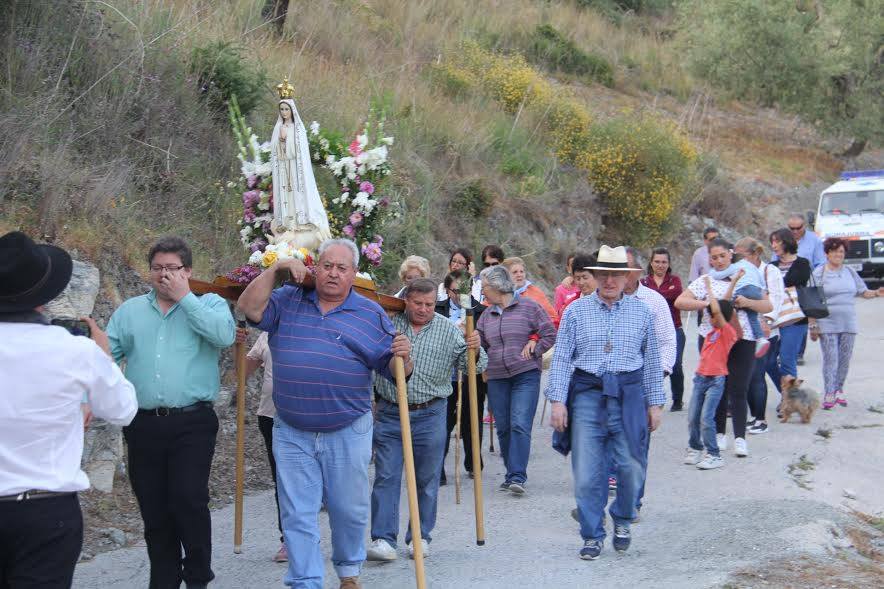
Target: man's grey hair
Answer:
[[636, 257], [344, 242], [498, 278], [798, 216], [419, 286]]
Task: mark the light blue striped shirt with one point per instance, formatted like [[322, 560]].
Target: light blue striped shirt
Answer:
[[172, 359], [586, 328]]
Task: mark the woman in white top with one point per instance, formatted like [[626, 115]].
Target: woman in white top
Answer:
[[751, 250]]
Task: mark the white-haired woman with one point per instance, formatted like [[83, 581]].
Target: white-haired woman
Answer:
[[513, 377], [412, 268]]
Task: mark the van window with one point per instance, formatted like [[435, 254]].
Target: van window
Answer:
[[852, 203]]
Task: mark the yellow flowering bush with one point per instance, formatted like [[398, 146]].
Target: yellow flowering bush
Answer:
[[641, 168]]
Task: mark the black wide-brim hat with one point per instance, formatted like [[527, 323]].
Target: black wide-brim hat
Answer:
[[30, 274]]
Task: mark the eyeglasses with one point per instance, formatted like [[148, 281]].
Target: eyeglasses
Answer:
[[487, 264], [167, 268], [799, 228]]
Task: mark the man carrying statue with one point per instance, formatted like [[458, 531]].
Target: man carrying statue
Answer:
[[325, 343]]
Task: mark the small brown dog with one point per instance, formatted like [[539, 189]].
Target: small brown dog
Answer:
[[797, 399]]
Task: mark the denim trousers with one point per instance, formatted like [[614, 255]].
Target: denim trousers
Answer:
[[766, 365], [513, 401], [791, 339], [597, 434], [330, 466], [756, 294], [701, 413], [428, 441]]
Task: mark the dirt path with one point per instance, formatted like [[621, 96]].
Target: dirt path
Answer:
[[764, 520]]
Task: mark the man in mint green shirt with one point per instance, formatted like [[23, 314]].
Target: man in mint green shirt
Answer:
[[170, 341]]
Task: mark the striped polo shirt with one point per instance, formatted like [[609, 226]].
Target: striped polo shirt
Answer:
[[322, 363]]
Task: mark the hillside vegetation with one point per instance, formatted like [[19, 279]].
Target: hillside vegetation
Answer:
[[542, 125]]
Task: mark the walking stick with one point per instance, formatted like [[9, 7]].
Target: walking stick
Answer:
[[410, 480], [474, 431], [543, 412], [457, 439], [240, 351]]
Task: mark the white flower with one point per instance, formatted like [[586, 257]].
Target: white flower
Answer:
[[387, 140], [362, 139], [314, 128], [255, 258]]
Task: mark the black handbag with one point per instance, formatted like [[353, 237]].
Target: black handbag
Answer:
[[812, 299]]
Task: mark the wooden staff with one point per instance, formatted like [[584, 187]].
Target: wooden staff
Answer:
[[457, 439], [240, 351], [410, 479], [474, 430], [543, 412]]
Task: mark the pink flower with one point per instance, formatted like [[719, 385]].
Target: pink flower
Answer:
[[349, 230], [384, 201], [251, 181], [249, 216], [372, 252], [367, 187], [251, 198], [379, 240], [355, 149], [356, 219]]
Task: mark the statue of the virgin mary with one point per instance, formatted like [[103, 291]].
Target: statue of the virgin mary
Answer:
[[299, 217]]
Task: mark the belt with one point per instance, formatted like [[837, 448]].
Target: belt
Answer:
[[417, 406], [34, 494], [166, 411]]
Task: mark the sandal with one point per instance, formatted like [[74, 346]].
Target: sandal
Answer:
[[839, 398], [829, 401]]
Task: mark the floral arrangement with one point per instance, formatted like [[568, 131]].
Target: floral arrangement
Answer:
[[360, 167], [356, 212]]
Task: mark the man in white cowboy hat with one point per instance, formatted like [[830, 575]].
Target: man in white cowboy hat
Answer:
[[47, 374], [606, 389]]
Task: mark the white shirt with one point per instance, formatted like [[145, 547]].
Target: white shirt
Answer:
[[442, 294], [776, 291], [664, 328], [47, 374], [261, 351]]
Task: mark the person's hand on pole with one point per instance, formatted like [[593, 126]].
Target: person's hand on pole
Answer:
[[292, 266], [401, 348], [558, 417]]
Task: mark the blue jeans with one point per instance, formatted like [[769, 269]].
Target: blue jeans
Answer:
[[312, 467], [701, 414], [752, 292], [428, 434], [513, 401], [597, 434], [791, 339]]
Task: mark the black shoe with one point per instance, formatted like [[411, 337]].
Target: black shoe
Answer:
[[622, 537], [504, 486], [575, 516], [443, 480], [591, 549], [517, 488], [751, 423], [677, 407]]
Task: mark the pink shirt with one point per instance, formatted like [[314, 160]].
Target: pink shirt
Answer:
[[564, 295]]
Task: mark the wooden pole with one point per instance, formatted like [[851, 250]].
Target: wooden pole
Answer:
[[457, 439], [410, 479], [474, 431], [543, 412], [490, 429], [240, 351]]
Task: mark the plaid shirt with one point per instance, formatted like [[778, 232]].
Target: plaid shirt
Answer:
[[587, 326], [664, 328], [437, 348]]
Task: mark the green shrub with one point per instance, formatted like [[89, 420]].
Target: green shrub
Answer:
[[638, 6], [473, 199], [548, 47], [222, 72]]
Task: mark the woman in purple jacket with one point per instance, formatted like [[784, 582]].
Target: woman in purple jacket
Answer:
[[513, 369]]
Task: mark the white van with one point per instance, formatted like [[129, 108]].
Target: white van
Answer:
[[853, 208]]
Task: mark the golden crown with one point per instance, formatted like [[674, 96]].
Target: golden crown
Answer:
[[285, 89]]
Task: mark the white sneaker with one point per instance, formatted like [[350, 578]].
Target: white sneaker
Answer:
[[380, 549], [692, 456], [721, 439], [740, 447], [710, 462], [425, 549]]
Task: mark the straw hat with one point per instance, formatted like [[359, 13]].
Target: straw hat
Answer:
[[612, 258]]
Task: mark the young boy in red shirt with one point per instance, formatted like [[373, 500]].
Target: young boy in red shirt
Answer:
[[709, 383]]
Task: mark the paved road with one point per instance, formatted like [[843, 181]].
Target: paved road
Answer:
[[697, 527]]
